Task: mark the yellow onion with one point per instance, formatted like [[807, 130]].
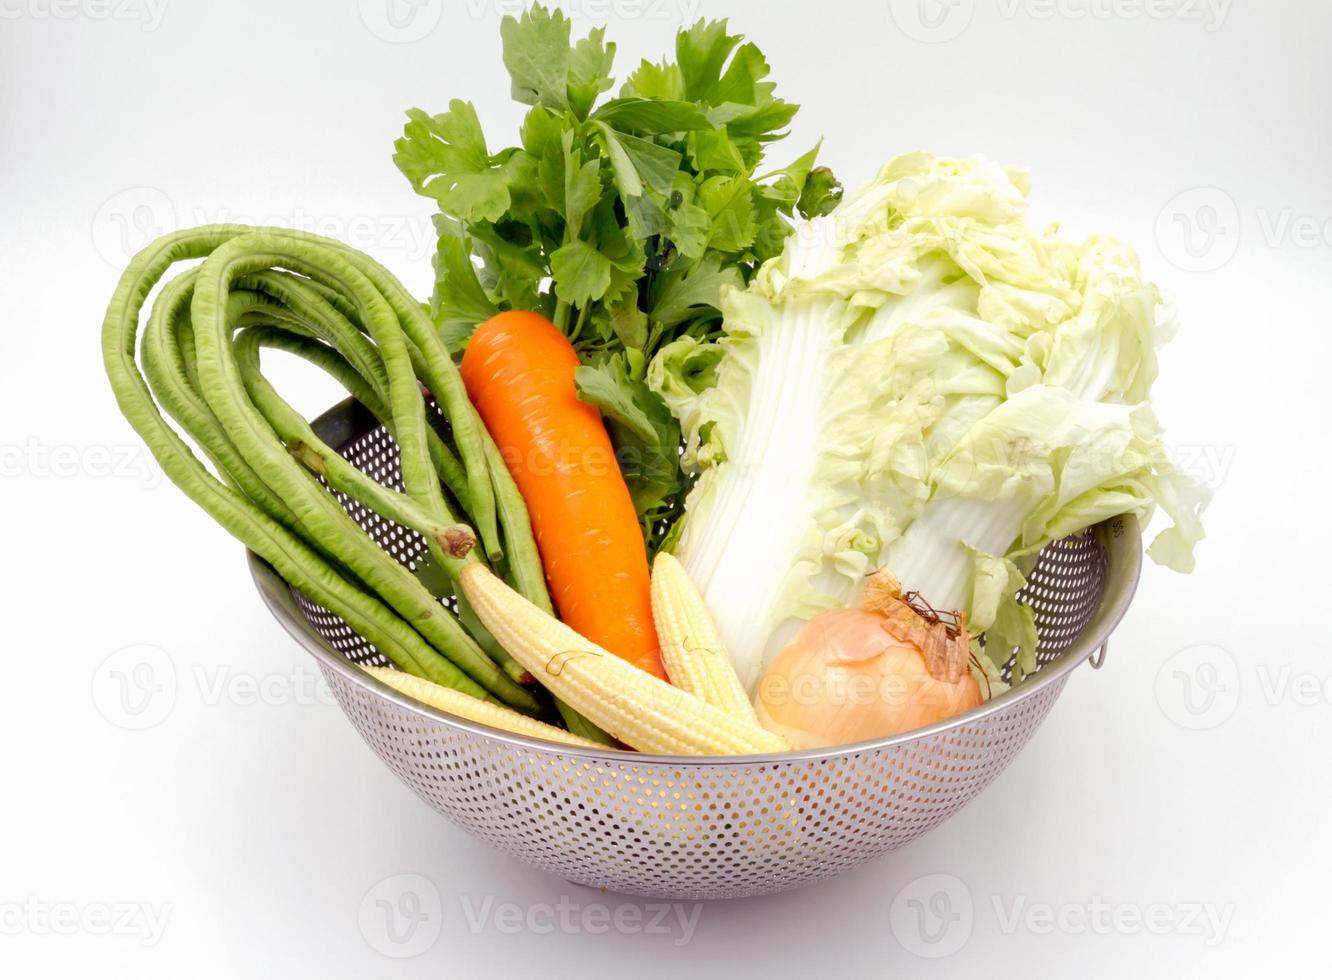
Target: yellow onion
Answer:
[[857, 674]]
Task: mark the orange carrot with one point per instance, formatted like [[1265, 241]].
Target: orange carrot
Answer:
[[519, 372]]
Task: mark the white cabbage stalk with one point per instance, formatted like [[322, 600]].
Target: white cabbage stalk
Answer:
[[923, 381]]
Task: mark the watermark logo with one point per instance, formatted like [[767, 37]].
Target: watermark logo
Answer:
[[411, 235], [1199, 229], [933, 916], [938, 21], [408, 21], [932, 21], [302, 686], [135, 687], [402, 916], [401, 21], [130, 220], [1207, 921], [1198, 688], [1209, 464], [680, 11], [571, 917], [138, 687], [1211, 14]]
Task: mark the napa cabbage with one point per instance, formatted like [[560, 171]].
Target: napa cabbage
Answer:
[[920, 380]]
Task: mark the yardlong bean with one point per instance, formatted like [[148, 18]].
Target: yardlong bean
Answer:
[[442, 539], [307, 307], [345, 313]]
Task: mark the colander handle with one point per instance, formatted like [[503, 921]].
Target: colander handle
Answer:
[[1097, 659]]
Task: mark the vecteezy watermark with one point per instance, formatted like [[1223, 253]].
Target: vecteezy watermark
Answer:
[[401, 21], [1200, 229], [1207, 921], [938, 21], [35, 916], [1210, 14], [859, 689], [129, 220], [1199, 686], [38, 460], [678, 11], [1303, 689], [412, 236], [1209, 464], [570, 917], [147, 14], [408, 21], [301, 686], [935, 916], [932, 21], [135, 687], [401, 916], [1287, 227], [138, 686], [132, 219]]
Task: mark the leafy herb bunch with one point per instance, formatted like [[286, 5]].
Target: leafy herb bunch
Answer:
[[620, 219]]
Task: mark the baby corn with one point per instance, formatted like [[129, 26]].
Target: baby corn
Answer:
[[691, 648], [474, 709], [629, 703]]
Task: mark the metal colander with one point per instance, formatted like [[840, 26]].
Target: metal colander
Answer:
[[684, 827]]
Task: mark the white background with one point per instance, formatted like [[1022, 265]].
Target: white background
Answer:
[[258, 827]]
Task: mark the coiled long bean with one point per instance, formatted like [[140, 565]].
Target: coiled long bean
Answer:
[[347, 314]]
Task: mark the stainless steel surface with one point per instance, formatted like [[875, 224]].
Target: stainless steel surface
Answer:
[[685, 827]]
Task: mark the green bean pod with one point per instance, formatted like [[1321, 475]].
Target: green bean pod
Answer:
[[207, 378]]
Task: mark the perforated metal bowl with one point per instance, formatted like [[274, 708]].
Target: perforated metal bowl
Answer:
[[684, 827]]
